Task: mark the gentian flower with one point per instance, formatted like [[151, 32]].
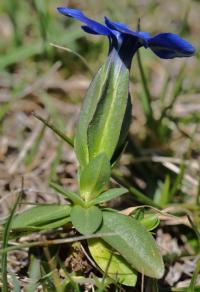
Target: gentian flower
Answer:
[[127, 42], [106, 112]]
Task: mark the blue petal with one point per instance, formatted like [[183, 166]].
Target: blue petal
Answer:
[[88, 29], [169, 45], [123, 28], [116, 25], [120, 27], [92, 26]]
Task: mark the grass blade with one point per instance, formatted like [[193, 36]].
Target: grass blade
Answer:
[[143, 198], [15, 283], [83, 60], [5, 243], [194, 277], [146, 98], [55, 130], [34, 274]]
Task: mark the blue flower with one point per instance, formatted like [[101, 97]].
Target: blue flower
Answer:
[[106, 113], [126, 42]]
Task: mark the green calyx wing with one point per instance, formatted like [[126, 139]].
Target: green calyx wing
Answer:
[[106, 113]]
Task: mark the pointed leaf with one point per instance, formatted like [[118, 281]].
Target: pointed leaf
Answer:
[[40, 215], [73, 197], [94, 177], [134, 243], [150, 221], [53, 225], [86, 220], [109, 195], [114, 264]]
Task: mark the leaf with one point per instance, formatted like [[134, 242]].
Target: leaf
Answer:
[[55, 224], [186, 289], [106, 124], [163, 192], [94, 177], [40, 215], [109, 195], [111, 263], [150, 221], [90, 102], [86, 220], [134, 243], [73, 197], [52, 225], [34, 274]]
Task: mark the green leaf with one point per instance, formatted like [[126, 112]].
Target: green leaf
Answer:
[[105, 127], [111, 263], [134, 243], [150, 221], [34, 274], [52, 225], [186, 289], [163, 192], [109, 195], [40, 215], [73, 197], [94, 177], [86, 220], [91, 100]]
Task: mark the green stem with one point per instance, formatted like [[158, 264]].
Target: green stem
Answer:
[[146, 98]]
